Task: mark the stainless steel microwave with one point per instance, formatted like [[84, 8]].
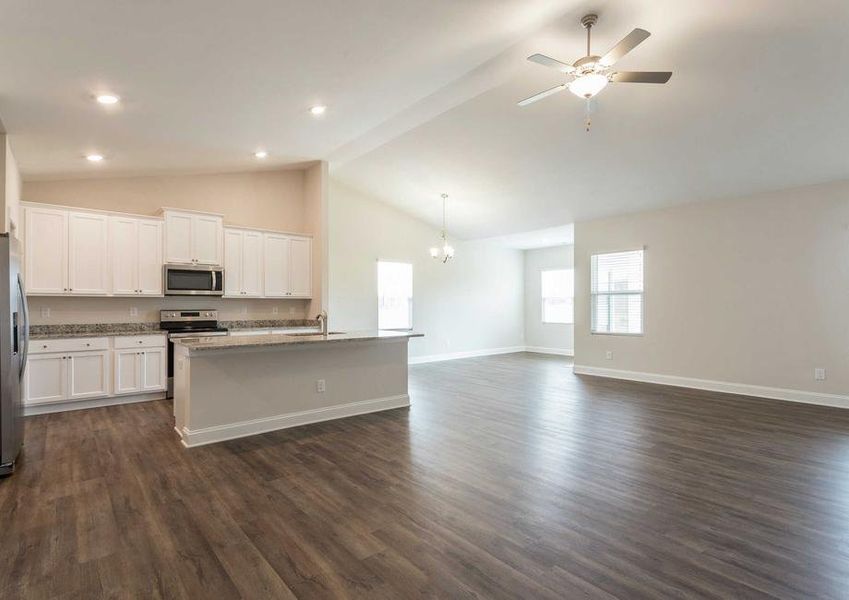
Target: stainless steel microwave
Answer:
[[193, 280]]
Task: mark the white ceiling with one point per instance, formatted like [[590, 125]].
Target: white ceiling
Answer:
[[422, 97]]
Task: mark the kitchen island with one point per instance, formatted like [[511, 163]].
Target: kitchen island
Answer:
[[235, 386]]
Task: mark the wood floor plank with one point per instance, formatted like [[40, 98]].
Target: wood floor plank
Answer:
[[508, 477]]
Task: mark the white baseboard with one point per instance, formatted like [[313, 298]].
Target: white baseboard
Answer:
[[544, 350], [52, 407], [220, 433], [417, 360], [743, 389]]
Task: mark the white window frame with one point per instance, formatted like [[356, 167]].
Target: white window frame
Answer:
[[409, 300], [542, 297], [642, 294]]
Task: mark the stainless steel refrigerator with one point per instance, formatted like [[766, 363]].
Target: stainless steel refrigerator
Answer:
[[14, 335]]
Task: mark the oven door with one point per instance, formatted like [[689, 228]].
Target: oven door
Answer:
[[186, 280]]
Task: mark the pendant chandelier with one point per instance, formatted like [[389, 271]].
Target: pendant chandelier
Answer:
[[445, 251]]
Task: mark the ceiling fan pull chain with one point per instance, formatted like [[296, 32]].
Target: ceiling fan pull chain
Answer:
[[589, 120]]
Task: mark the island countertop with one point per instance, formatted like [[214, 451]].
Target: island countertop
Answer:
[[197, 344]]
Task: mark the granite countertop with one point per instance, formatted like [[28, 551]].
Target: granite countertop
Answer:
[[232, 342], [43, 332]]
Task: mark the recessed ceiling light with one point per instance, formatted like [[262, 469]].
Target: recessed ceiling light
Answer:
[[94, 157], [107, 99], [317, 110], [261, 154]]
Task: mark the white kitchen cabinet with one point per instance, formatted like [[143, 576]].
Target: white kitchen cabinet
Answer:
[[288, 266], [46, 379], [300, 267], [136, 253], [243, 263], [140, 364], [46, 251], [88, 251], [88, 374], [193, 238], [68, 375]]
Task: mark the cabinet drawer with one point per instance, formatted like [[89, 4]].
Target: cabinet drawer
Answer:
[[139, 341], [68, 345]]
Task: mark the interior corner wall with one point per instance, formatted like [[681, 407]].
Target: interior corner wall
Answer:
[[472, 304], [315, 214], [539, 336], [749, 291]]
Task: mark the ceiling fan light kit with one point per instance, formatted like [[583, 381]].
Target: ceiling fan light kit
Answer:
[[591, 74], [445, 252]]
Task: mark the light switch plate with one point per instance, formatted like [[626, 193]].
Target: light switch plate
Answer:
[[134, 311], [45, 312], [275, 310], [819, 374]]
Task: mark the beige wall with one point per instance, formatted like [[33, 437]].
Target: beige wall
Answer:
[[264, 199], [285, 200], [750, 291], [10, 191], [552, 336], [473, 303]]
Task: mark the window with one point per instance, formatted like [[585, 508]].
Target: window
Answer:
[[616, 293], [394, 295], [558, 291]]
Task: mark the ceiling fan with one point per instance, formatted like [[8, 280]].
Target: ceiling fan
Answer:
[[591, 74]]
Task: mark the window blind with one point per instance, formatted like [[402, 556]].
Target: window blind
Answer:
[[616, 290], [557, 287], [394, 295]]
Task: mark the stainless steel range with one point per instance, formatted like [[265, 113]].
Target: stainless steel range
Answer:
[[187, 323]]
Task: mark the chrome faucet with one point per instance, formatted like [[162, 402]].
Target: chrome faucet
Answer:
[[322, 319]]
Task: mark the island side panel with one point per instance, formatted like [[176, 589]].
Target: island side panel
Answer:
[[235, 393]]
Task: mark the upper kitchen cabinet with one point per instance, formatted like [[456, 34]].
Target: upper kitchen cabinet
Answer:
[[288, 266], [136, 255], [66, 252], [193, 238], [243, 264], [88, 251], [46, 250]]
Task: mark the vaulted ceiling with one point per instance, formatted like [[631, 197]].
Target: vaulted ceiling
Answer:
[[422, 96]]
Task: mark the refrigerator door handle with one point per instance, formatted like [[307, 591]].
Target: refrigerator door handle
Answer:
[[24, 329]]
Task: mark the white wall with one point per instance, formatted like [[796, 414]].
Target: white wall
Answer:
[[538, 335], [748, 291], [473, 303]]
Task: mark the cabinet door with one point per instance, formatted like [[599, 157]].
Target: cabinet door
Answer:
[[128, 376], [276, 266], [207, 239], [124, 247], [233, 262], [88, 374], [252, 264], [178, 238], [300, 265], [46, 378], [154, 370], [88, 246], [150, 258], [46, 251]]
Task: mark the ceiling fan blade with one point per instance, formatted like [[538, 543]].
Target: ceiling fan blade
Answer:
[[541, 95], [641, 76], [628, 43], [547, 61]]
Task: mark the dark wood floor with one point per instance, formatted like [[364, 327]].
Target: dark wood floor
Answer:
[[508, 478]]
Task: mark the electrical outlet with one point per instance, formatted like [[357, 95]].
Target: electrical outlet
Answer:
[[609, 355], [45, 312], [244, 310], [134, 311], [320, 386], [274, 310], [291, 311], [819, 374]]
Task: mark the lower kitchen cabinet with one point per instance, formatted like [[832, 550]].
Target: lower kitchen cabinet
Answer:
[[63, 371], [66, 376], [140, 370]]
